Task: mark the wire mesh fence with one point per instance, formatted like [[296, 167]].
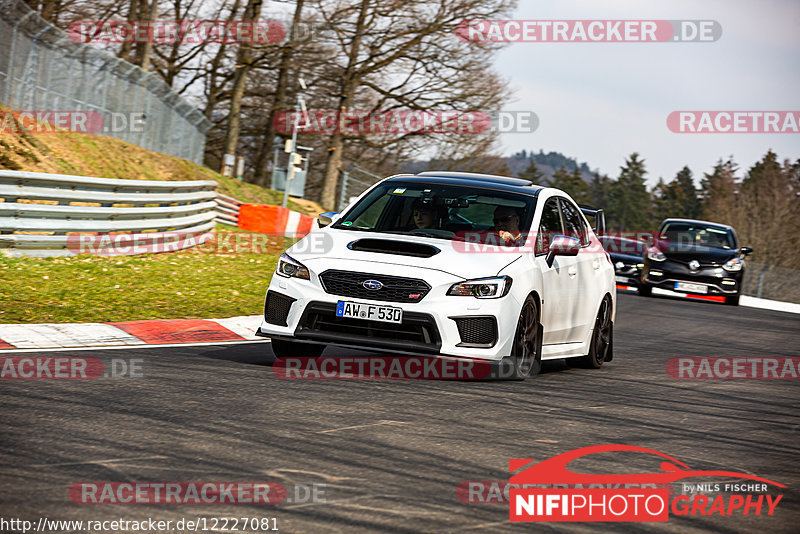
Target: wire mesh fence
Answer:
[[355, 181], [43, 70], [772, 282]]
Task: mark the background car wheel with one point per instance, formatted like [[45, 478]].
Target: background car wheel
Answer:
[[602, 338], [295, 349], [644, 290], [526, 354], [732, 301]]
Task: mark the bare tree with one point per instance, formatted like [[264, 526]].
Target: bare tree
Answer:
[[404, 55], [243, 66], [279, 101]]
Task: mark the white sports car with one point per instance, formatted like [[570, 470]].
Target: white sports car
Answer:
[[446, 263]]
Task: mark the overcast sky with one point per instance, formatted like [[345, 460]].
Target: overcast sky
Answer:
[[599, 102]]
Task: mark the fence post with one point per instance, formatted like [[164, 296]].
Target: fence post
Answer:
[[761, 280], [343, 191], [10, 74]]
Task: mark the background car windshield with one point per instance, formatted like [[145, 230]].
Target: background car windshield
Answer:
[[682, 233], [623, 246], [437, 210]]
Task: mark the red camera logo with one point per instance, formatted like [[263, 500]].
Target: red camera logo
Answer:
[[527, 503]]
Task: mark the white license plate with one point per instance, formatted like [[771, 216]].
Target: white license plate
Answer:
[[369, 312], [694, 288]]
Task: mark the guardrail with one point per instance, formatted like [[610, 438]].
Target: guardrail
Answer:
[[41, 213], [227, 209]]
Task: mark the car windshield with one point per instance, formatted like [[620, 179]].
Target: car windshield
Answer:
[[686, 233], [441, 211], [620, 245]]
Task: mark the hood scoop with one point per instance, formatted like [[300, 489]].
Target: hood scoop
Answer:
[[390, 246]]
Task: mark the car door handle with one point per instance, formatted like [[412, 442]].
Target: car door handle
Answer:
[[572, 271]]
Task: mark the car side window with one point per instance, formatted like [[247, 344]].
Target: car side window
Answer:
[[574, 225], [549, 227]]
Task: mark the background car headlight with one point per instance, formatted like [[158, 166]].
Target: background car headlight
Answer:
[[290, 268], [656, 255], [734, 264], [482, 288]]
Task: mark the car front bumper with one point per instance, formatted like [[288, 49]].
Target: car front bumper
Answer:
[[667, 274], [429, 326]]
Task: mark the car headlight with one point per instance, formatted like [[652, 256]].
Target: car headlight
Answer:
[[482, 288], [733, 265], [656, 255], [291, 268]]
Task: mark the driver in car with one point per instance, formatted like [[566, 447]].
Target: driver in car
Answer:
[[424, 215], [506, 224]]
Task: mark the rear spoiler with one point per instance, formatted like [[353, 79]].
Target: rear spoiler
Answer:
[[599, 218]]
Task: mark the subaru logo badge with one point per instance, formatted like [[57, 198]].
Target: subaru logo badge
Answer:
[[372, 285], [694, 265]]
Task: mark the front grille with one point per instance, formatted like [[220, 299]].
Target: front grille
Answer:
[[395, 288], [417, 331], [477, 331], [276, 308]]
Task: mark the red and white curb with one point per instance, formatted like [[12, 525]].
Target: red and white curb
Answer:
[[128, 333], [744, 300], [55, 336]]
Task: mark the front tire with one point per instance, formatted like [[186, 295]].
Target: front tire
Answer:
[[602, 338], [732, 301], [526, 354], [295, 349]]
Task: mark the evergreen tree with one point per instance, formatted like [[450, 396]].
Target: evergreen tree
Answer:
[[572, 183], [719, 193], [600, 191], [533, 173], [630, 199], [684, 181], [768, 210], [560, 179], [662, 201], [677, 198], [578, 189]]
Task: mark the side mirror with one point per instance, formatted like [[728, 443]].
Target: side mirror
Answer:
[[562, 246], [745, 251], [326, 218]]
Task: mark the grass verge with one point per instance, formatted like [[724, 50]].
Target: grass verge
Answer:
[[81, 154], [222, 278]]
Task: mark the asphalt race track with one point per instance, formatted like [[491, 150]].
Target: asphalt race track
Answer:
[[389, 454]]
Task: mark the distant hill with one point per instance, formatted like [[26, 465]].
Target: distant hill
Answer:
[[548, 163]]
